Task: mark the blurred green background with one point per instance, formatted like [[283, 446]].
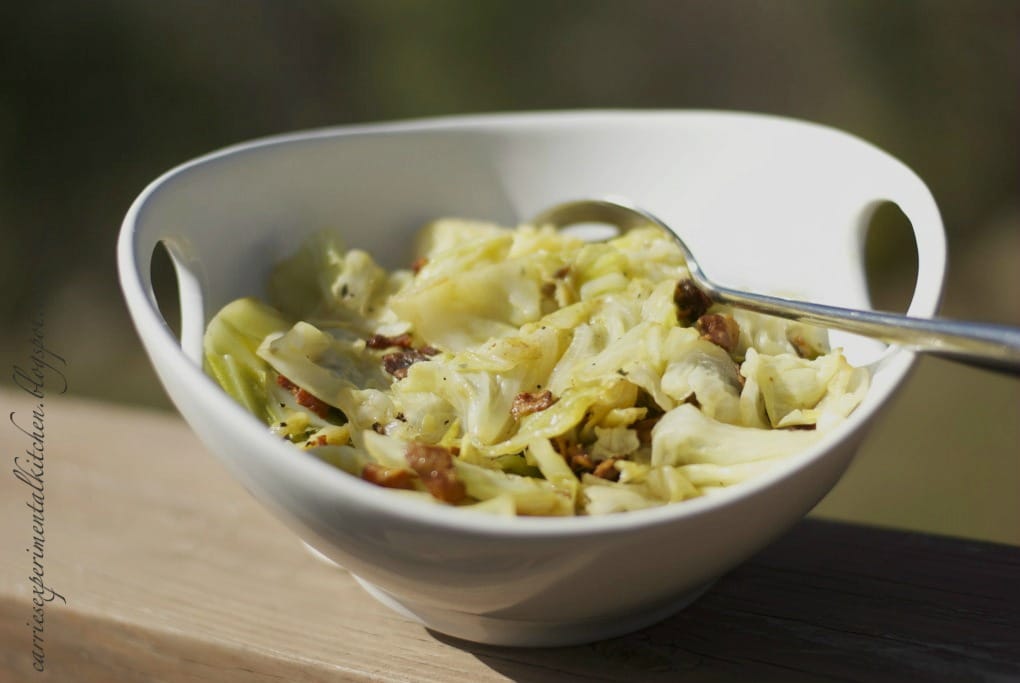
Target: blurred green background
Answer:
[[99, 98]]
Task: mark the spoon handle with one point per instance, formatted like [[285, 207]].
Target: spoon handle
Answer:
[[996, 347]]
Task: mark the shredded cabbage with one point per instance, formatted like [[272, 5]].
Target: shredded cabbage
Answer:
[[526, 372]]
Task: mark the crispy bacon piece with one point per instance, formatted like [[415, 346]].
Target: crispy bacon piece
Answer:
[[526, 403], [381, 341], [389, 477], [577, 459], [644, 429], [580, 463], [691, 302], [398, 362], [314, 404], [607, 469], [434, 466], [721, 330]]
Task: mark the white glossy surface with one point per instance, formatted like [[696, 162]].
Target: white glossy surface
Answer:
[[766, 203]]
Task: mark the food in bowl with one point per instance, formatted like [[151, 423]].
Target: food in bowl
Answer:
[[525, 371]]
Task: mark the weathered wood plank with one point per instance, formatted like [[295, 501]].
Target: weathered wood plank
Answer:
[[172, 572]]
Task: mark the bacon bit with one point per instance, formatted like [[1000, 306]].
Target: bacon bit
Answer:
[[434, 466], [313, 403], [389, 477], [304, 398], [574, 454], [562, 272], [607, 469], [381, 341], [398, 362], [526, 403], [320, 440], [721, 330], [418, 264], [429, 350], [580, 462], [691, 302], [644, 429]]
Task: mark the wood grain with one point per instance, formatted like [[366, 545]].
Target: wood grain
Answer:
[[172, 572]]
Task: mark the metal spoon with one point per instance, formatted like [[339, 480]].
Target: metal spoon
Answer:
[[982, 344]]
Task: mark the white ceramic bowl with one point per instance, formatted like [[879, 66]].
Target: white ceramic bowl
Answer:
[[768, 203]]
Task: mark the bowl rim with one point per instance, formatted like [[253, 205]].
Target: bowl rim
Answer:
[[317, 474]]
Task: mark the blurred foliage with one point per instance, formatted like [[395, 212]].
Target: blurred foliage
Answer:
[[99, 98]]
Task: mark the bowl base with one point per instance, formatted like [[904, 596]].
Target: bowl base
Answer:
[[490, 630]]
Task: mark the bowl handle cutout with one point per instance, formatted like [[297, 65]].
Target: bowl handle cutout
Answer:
[[177, 294], [992, 346], [906, 222], [890, 257]]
